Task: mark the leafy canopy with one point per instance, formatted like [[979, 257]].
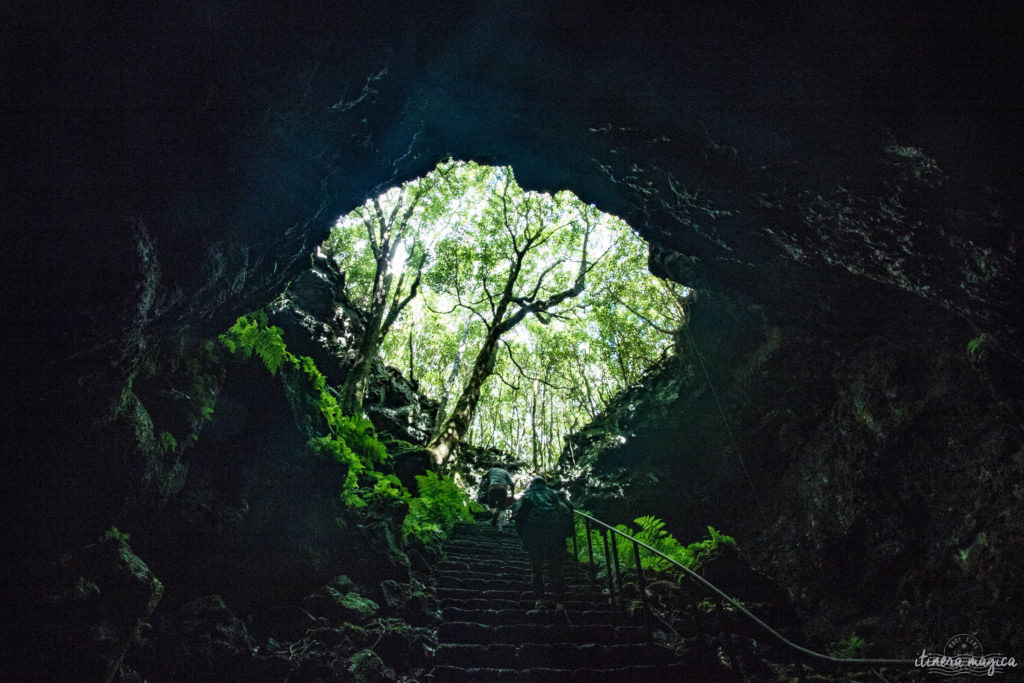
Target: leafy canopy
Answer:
[[555, 370]]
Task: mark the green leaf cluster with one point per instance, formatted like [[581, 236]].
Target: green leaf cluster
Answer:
[[651, 531], [439, 506], [168, 444], [115, 534], [852, 647], [977, 344], [556, 371], [350, 440], [253, 334]]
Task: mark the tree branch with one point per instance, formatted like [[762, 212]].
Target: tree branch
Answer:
[[504, 213], [396, 310], [640, 315], [540, 282], [513, 387], [490, 297], [526, 375], [368, 223], [553, 300]]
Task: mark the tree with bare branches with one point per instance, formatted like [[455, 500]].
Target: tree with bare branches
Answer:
[[530, 254]]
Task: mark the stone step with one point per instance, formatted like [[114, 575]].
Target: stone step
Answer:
[[586, 595], [501, 552], [641, 673], [482, 634], [502, 604], [507, 533], [473, 563], [476, 563], [590, 615], [560, 655], [474, 581], [477, 527], [484, 548], [484, 571], [484, 589]]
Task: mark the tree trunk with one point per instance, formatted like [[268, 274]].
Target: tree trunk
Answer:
[[412, 366], [354, 388], [445, 443], [453, 375], [442, 447], [533, 424]]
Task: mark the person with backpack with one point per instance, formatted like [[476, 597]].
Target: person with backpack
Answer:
[[544, 519], [496, 490]]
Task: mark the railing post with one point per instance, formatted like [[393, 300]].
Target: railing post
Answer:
[[590, 554], [615, 556], [575, 547], [608, 566], [641, 582]]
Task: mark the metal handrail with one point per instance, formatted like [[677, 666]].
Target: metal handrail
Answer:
[[637, 544]]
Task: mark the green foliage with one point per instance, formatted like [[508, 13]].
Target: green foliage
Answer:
[[354, 601], [436, 510], [366, 665], [706, 606], [115, 534], [84, 588], [203, 380], [651, 531], [253, 334], [851, 648], [167, 442], [558, 370], [977, 346], [707, 549], [387, 490], [349, 440]]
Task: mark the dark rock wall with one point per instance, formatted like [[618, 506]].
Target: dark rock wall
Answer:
[[319, 321], [877, 476]]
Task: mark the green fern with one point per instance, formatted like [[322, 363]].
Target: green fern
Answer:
[[253, 334], [167, 442], [435, 511], [387, 488], [115, 534], [978, 344], [852, 647], [350, 441], [651, 531]]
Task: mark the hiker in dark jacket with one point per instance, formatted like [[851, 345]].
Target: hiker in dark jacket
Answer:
[[544, 520], [496, 490]]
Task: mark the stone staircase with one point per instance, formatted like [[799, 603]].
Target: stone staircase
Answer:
[[487, 634]]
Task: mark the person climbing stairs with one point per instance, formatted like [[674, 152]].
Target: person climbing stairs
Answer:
[[491, 631]]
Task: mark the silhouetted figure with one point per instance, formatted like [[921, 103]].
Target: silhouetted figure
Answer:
[[496, 490], [544, 520]]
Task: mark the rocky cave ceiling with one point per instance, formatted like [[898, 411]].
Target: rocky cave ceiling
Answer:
[[174, 166]]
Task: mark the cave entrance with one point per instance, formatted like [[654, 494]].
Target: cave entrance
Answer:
[[521, 314]]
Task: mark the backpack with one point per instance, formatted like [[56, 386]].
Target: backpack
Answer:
[[549, 516]]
